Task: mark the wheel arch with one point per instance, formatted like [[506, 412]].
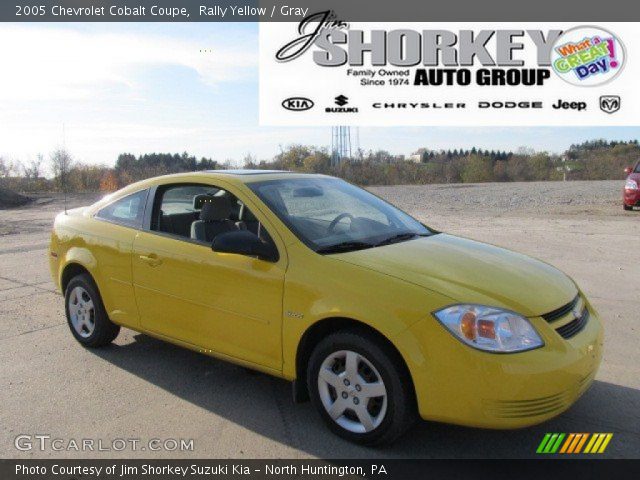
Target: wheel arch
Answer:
[[320, 329], [76, 260], [70, 270]]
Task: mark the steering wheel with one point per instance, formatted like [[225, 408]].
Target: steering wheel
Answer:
[[336, 220]]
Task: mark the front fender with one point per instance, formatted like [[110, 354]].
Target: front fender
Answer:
[[338, 289]]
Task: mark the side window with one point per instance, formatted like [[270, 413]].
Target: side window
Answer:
[[127, 211], [177, 207], [200, 212]]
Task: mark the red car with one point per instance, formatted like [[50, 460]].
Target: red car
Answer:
[[631, 194]]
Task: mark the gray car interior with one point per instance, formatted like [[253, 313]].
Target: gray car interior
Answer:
[[211, 213], [215, 218]]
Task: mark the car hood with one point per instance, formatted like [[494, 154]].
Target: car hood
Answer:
[[471, 272], [634, 176]]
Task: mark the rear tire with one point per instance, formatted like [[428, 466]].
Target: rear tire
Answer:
[[627, 207], [361, 388], [86, 315]]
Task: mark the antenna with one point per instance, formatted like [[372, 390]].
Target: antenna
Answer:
[[63, 170]]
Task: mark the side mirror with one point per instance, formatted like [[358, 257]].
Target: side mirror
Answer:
[[628, 170], [243, 242]]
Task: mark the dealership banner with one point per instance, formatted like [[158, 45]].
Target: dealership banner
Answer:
[[130, 469], [327, 71]]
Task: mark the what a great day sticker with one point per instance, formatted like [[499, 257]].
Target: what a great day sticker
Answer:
[[588, 56]]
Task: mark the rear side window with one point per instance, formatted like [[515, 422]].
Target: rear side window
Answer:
[[127, 211]]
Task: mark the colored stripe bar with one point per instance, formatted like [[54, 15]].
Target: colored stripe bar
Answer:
[[555, 448], [581, 443], [596, 446], [576, 439], [574, 443], [543, 443], [594, 437], [567, 443], [605, 443], [550, 443]]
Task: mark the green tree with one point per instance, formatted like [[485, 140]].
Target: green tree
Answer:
[[477, 169]]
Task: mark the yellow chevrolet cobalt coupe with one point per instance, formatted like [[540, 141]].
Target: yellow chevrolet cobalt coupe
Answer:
[[375, 317]]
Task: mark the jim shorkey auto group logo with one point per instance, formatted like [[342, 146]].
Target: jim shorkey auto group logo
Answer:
[[582, 56]]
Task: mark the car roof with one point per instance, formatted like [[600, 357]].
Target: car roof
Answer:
[[238, 175], [247, 172]]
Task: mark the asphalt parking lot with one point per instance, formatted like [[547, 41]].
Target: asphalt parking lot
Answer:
[[142, 388]]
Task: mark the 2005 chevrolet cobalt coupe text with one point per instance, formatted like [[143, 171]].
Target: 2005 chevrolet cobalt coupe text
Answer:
[[374, 316]]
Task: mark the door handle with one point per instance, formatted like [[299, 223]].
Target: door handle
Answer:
[[151, 259]]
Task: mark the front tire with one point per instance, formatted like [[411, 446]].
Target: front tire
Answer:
[[627, 207], [361, 388], [86, 315]]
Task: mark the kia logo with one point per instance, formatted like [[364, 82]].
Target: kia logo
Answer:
[[297, 104]]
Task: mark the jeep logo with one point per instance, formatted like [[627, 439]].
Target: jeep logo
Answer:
[[297, 104]]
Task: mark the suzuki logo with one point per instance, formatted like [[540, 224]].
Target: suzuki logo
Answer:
[[341, 100], [297, 104], [609, 103]]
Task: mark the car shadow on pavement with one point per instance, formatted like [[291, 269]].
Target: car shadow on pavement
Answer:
[[263, 404]]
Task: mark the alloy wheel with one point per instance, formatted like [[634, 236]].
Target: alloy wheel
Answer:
[[352, 391], [82, 312]]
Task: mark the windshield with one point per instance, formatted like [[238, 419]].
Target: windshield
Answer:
[[330, 215]]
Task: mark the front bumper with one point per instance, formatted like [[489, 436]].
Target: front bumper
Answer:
[[458, 384], [631, 198]]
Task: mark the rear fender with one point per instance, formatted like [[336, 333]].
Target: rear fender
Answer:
[[80, 256]]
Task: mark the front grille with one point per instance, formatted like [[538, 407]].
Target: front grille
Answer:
[[528, 408], [536, 407], [562, 311], [586, 382], [572, 328], [575, 326]]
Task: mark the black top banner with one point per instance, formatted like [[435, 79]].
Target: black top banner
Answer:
[[296, 10]]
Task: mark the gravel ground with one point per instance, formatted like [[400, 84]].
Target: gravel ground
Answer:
[[143, 388], [539, 198]]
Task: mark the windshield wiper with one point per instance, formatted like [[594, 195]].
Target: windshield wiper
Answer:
[[345, 247], [400, 237], [354, 245]]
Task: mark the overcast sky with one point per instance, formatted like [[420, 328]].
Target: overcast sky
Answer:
[[150, 87]]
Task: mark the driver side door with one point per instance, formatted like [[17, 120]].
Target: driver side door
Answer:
[[221, 303]]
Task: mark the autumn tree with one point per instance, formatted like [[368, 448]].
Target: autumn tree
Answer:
[[61, 163]]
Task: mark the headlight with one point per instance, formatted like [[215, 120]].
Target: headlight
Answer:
[[489, 328], [631, 185]]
